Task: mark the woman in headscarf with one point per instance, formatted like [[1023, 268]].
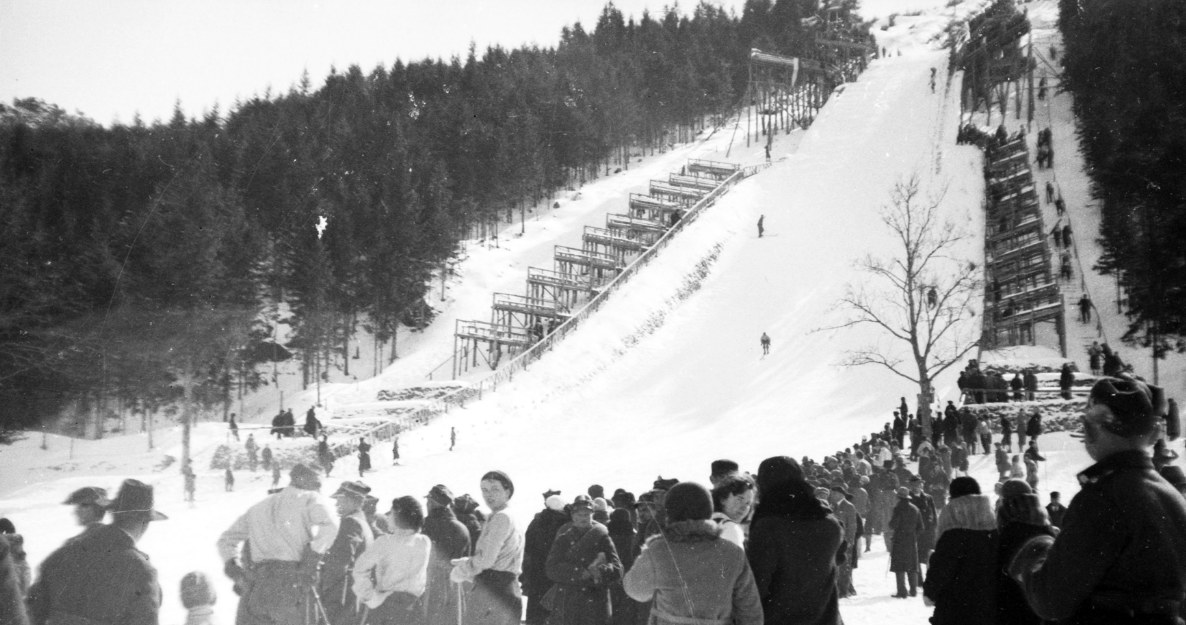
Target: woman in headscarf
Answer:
[[795, 543], [1020, 517], [961, 579]]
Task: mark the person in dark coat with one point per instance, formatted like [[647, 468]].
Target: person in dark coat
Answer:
[[1033, 427], [324, 457], [1030, 381], [364, 456], [450, 540], [903, 530], [794, 546], [582, 564], [1020, 516], [312, 425], [1066, 379], [466, 509], [537, 542], [12, 604], [925, 504], [100, 576], [1055, 510], [899, 427], [1006, 433], [961, 580], [979, 384], [621, 532], [353, 538], [1118, 558]]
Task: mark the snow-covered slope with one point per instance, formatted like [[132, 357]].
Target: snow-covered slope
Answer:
[[668, 375]]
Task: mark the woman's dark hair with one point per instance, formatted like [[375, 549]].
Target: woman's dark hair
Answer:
[[501, 478], [408, 513], [730, 485]]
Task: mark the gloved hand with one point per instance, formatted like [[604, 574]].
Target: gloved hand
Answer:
[[458, 574], [233, 570]]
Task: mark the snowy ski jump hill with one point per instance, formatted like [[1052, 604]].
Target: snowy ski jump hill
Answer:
[[669, 374]]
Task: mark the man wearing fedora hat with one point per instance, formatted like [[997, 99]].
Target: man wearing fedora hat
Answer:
[[90, 505], [1120, 553], [354, 536], [100, 576], [282, 539], [450, 540]]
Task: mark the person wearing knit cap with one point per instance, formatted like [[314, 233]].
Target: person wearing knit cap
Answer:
[[198, 597], [280, 540], [902, 535], [537, 543], [495, 597], [962, 577], [795, 543], [353, 538], [450, 540], [582, 564], [689, 560], [1118, 555]]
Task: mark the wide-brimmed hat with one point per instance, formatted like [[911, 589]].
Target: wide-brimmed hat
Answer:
[[356, 490], [88, 496], [903, 492], [135, 497], [582, 502]]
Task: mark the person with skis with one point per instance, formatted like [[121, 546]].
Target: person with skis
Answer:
[[762, 218], [765, 341], [353, 538], [273, 550]]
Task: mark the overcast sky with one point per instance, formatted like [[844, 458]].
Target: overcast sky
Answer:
[[111, 58]]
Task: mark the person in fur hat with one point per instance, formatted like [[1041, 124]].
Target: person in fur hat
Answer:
[[1118, 557], [689, 559], [962, 576]]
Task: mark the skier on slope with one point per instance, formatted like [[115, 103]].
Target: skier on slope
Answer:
[[765, 344]]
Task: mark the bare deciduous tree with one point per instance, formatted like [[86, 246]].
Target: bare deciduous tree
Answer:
[[920, 297]]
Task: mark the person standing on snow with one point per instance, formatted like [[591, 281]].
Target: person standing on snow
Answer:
[[100, 576], [364, 456], [1118, 556], [252, 448], [494, 597], [353, 538], [765, 341], [762, 219], [450, 540], [233, 427], [273, 550], [537, 542]]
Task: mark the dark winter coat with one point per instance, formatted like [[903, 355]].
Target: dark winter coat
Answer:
[[12, 608], [906, 525], [537, 543], [582, 597], [354, 536], [621, 532], [691, 560], [1033, 428], [450, 540], [100, 575], [1121, 545], [1012, 607], [962, 577], [930, 518], [794, 545]]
